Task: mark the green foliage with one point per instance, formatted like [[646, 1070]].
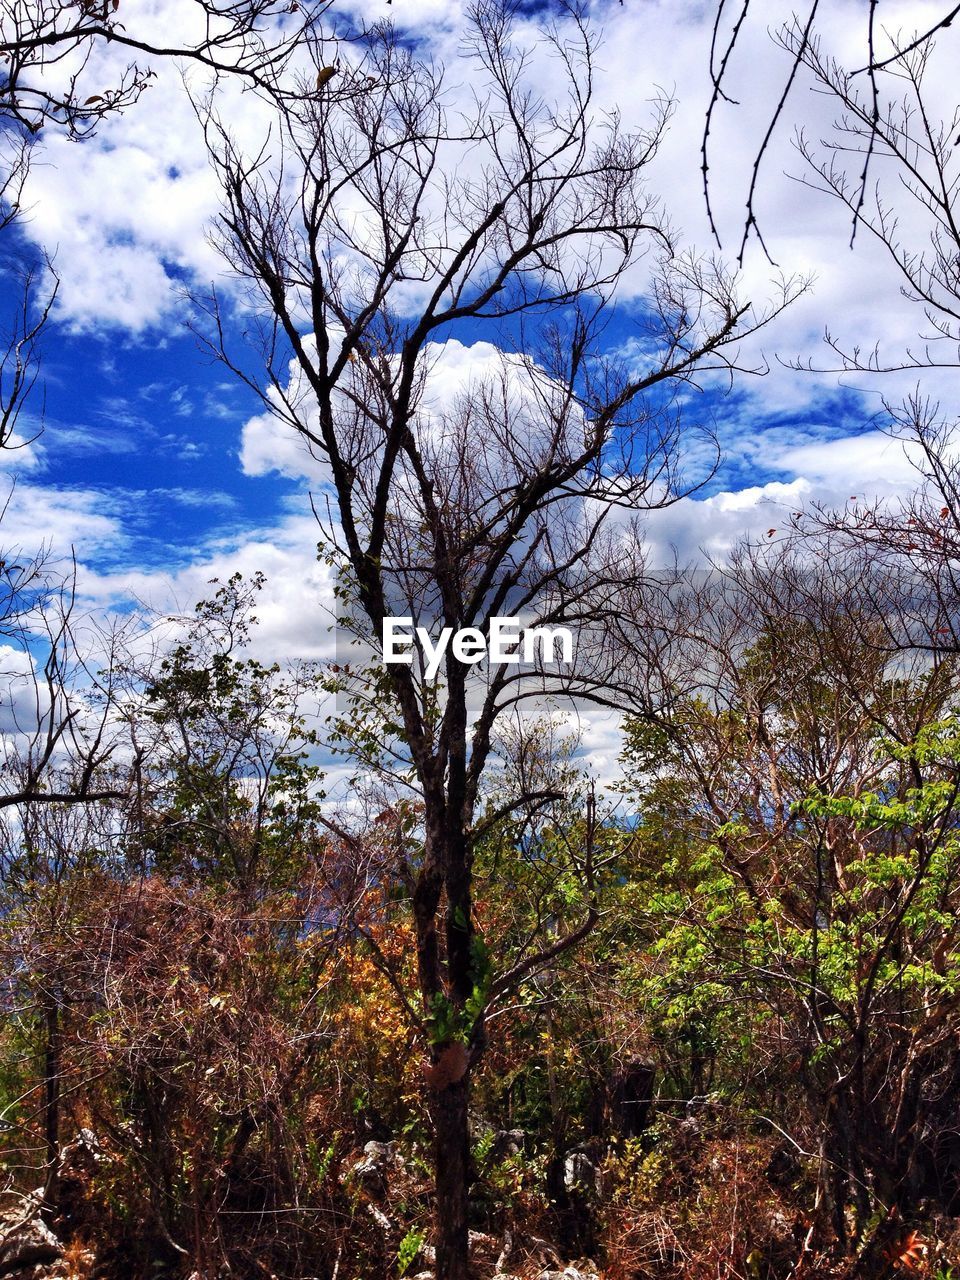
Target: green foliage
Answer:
[[233, 794], [444, 1021], [237, 1015], [409, 1250]]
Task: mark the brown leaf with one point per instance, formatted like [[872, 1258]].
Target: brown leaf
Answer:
[[907, 1253], [94, 97], [325, 74]]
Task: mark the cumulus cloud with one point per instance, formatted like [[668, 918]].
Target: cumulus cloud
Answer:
[[125, 216], [455, 370], [295, 609], [23, 698], [126, 213], [871, 462], [61, 518]]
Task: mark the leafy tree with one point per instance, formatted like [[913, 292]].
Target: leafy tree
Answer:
[[227, 789], [812, 787]]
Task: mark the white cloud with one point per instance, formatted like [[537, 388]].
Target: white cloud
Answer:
[[61, 517], [295, 609], [453, 368], [126, 216], [268, 446], [21, 453], [127, 212], [871, 463], [23, 698], [693, 528]]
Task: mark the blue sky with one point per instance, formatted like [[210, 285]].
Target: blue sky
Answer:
[[153, 426], [157, 466], [150, 427]]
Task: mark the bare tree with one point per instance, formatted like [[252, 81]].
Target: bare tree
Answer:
[[906, 550], [46, 49], [916, 149], [892, 160], [394, 215], [61, 731], [883, 51]]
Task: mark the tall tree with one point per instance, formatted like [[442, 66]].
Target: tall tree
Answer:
[[399, 213]]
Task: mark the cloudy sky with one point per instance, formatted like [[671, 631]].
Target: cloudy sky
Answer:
[[159, 470]]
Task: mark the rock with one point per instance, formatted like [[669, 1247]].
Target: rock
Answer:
[[570, 1272], [542, 1250], [381, 1219], [80, 1161], [506, 1142], [384, 1152], [506, 1252], [26, 1242], [580, 1173], [371, 1171]]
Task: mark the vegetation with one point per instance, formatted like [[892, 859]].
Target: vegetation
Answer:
[[487, 1013], [217, 1054]]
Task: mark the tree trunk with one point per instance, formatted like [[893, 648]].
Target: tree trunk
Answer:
[[51, 1105], [452, 1165]]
